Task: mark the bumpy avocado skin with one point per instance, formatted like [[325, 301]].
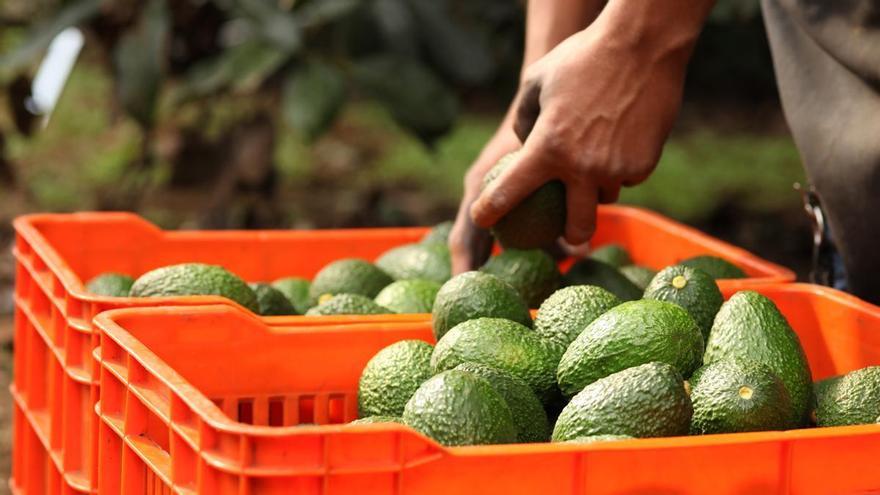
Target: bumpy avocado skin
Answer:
[[628, 335], [649, 400], [750, 326], [473, 295]]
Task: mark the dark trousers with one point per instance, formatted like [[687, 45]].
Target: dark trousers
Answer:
[[827, 60]]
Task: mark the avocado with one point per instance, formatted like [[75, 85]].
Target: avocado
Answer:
[[537, 221], [296, 290], [628, 335], [409, 296], [528, 414], [593, 272], [271, 301], [392, 376], [195, 279], [716, 267], [732, 396], [505, 345], [690, 288], [348, 276], [475, 295], [563, 315], [852, 399], [438, 234], [110, 284], [639, 275], [750, 326], [370, 420], [347, 304], [533, 273], [460, 408], [425, 261], [599, 438], [648, 400], [612, 254]]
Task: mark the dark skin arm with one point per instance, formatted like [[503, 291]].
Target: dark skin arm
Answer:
[[548, 23], [596, 110]]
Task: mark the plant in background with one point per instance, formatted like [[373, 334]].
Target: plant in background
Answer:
[[177, 63]]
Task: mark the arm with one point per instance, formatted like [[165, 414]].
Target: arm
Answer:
[[596, 110], [547, 24]]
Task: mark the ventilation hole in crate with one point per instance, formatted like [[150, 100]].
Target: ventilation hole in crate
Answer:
[[306, 410], [336, 409], [276, 411], [246, 411]]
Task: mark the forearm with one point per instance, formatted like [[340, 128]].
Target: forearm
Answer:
[[548, 22], [658, 29]]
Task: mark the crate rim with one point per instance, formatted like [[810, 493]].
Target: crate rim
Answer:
[[215, 418]]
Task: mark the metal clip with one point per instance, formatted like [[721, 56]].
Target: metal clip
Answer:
[[822, 272]]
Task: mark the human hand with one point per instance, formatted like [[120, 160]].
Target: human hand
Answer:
[[469, 244], [593, 113]]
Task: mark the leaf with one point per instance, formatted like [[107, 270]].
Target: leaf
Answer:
[[460, 53], [40, 36], [416, 98], [313, 96], [139, 60], [274, 25], [398, 26], [243, 67], [320, 12]]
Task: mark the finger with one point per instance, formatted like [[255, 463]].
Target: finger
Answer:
[[469, 246], [580, 222], [575, 251], [528, 107], [609, 194], [516, 183]]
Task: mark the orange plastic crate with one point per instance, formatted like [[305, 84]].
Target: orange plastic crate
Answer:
[[211, 401], [55, 376]]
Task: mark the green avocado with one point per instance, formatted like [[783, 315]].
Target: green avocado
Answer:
[[110, 284], [370, 420], [628, 335], [599, 438], [296, 290], [438, 234], [392, 376], [851, 399], [750, 326], [533, 273], [648, 400], [271, 301], [593, 272], [563, 315], [639, 275], [348, 276], [195, 279], [528, 414], [429, 261], [505, 345], [716, 267], [409, 296], [732, 396], [536, 222], [473, 295], [347, 304], [612, 254], [690, 288], [460, 408]]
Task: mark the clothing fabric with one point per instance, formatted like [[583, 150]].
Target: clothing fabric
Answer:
[[826, 55]]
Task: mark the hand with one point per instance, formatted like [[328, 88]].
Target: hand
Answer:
[[469, 244], [594, 113]]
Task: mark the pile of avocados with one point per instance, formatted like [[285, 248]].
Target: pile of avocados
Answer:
[[593, 366]]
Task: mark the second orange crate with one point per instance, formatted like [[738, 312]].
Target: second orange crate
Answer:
[[212, 401]]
